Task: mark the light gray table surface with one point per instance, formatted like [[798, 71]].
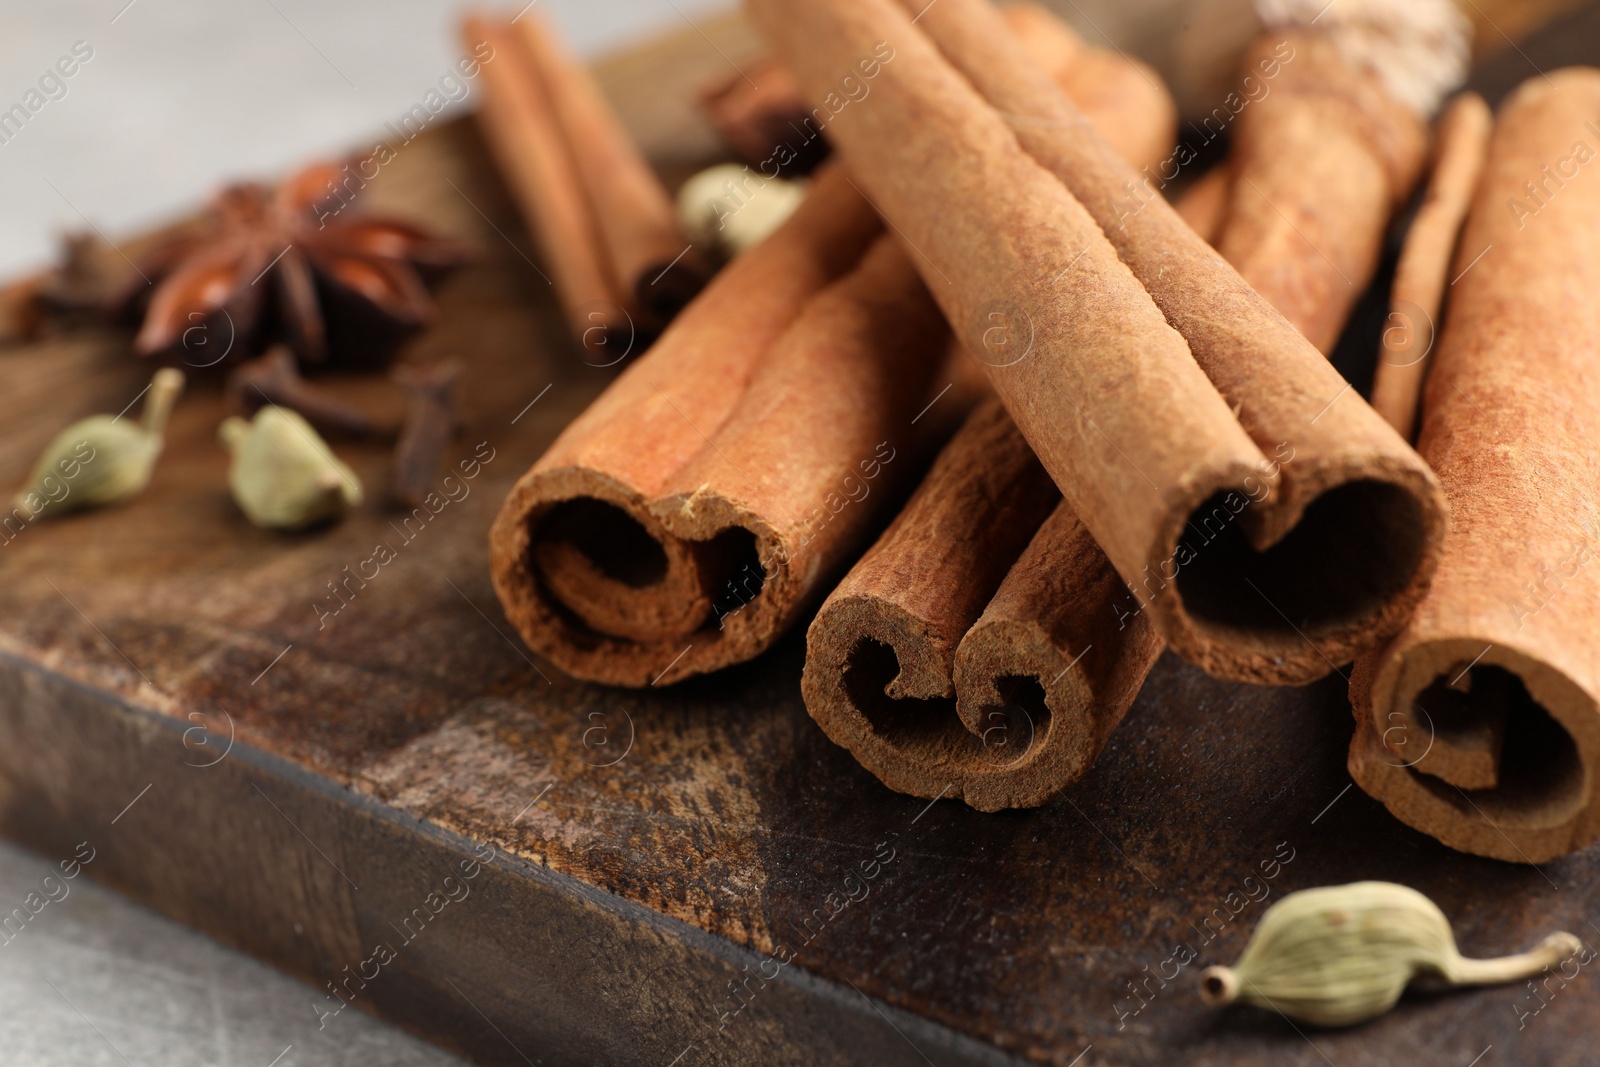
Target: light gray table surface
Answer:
[[178, 96], [93, 980]]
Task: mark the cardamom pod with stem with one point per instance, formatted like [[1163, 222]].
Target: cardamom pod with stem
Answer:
[[285, 477], [1343, 954], [101, 459]]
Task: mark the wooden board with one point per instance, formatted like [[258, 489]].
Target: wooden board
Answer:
[[297, 784]]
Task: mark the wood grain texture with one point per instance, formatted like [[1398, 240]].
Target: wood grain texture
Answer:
[[626, 898]]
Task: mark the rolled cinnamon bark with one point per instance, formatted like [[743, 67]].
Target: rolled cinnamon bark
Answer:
[[681, 522], [519, 123], [1204, 205], [1334, 146], [1047, 672], [651, 258], [1261, 569], [1010, 711], [972, 652], [881, 653], [1460, 145], [1479, 724], [1125, 98]]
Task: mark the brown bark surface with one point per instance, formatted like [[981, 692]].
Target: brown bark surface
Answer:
[[1480, 722], [1321, 162], [1420, 280], [519, 124], [1204, 205], [1142, 443], [650, 257], [682, 521], [1008, 714]]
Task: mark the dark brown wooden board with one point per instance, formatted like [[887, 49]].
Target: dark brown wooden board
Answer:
[[654, 848]]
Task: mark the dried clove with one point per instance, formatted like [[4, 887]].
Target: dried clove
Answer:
[[1340, 955], [431, 420], [284, 476], [101, 459], [275, 379]]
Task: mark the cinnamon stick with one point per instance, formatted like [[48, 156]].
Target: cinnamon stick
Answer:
[[1123, 97], [1262, 569], [1415, 300], [948, 660], [681, 522], [1204, 205], [765, 119], [1333, 148], [650, 257], [880, 655], [975, 651], [1046, 673], [1479, 724], [519, 123]]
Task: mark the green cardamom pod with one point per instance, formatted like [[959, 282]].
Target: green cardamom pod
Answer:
[[285, 477], [101, 459], [1343, 954]]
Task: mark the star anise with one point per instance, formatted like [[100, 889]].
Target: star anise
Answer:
[[296, 264]]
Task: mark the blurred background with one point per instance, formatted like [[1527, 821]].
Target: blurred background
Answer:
[[182, 94]]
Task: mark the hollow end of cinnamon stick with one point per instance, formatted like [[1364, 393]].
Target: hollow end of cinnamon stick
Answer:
[[1272, 524], [884, 693], [1051, 649], [1009, 718], [594, 579], [1504, 769], [1247, 599], [880, 654], [1479, 723], [620, 587], [683, 522], [973, 652]]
